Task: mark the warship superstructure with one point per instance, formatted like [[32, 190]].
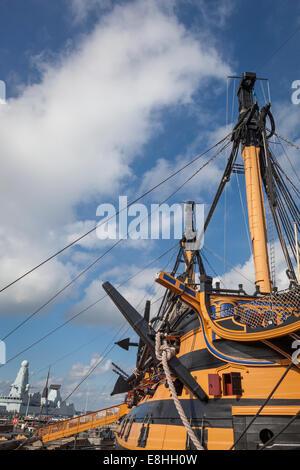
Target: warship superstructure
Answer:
[[21, 401]]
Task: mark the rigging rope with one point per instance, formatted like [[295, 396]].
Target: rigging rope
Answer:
[[288, 159], [117, 213], [84, 310], [104, 353], [90, 372], [287, 141], [281, 431], [233, 101], [263, 90], [271, 240], [212, 269], [61, 358], [164, 353], [114, 245], [263, 405], [279, 48], [226, 109], [225, 220], [230, 265], [244, 215]]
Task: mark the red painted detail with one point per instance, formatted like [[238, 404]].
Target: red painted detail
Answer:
[[232, 384], [214, 385]]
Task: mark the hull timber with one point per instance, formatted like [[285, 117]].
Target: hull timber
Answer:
[[154, 423]]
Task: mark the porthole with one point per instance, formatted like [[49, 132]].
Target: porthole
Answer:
[[265, 435]]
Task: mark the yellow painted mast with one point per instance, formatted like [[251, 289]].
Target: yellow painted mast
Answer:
[[257, 220], [255, 200]]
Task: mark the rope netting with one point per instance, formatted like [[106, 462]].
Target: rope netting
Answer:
[[270, 310]]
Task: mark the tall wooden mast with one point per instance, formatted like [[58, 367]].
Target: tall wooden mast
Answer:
[[255, 201]]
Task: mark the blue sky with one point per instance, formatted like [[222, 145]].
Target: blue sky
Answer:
[[106, 98]]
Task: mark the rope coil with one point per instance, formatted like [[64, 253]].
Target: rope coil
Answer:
[[164, 353], [136, 372]]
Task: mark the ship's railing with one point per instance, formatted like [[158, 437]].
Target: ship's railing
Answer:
[[71, 426], [270, 310]]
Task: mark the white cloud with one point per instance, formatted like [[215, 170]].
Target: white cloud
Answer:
[[204, 183], [136, 291], [73, 137], [82, 8], [89, 390], [80, 370], [39, 286], [214, 12], [245, 274], [287, 117], [200, 186]]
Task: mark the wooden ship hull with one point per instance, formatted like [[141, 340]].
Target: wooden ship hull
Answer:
[[232, 363], [237, 377]]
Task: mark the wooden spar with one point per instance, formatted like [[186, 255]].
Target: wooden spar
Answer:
[[255, 201], [256, 214]]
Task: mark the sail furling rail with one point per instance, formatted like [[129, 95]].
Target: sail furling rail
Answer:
[[255, 200]]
